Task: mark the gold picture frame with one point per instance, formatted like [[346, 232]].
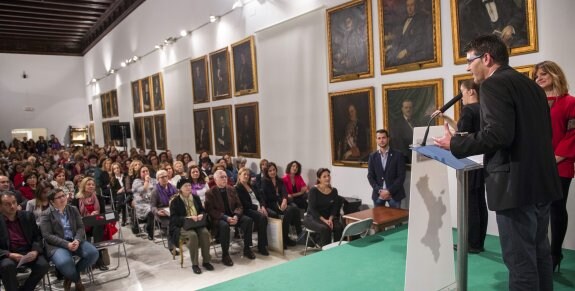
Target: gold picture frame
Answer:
[[148, 129], [409, 37], [146, 94], [158, 92], [244, 68], [113, 108], [139, 132], [104, 104], [407, 105], [352, 137], [520, 15], [223, 130], [160, 132], [248, 130], [136, 96], [527, 70], [203, 130], [220, 74], [200, 88], [350, 41]]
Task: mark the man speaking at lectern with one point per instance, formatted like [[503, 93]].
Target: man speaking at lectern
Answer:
[[520, 172]]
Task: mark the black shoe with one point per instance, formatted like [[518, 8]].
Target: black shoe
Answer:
[[263, 251], [196, 269], [103, 268], [290, 242], [227, 260], [123, 223], [150, 237], [208, 266], [249, 254], [475, 250], [557, 262]]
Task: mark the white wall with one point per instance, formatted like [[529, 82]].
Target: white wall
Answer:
[[54, 87]]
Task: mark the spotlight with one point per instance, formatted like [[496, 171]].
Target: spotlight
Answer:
[[136, 58], [184, 33], [214, 18], [123, 64], [111, 71], [93, 80], [158, 46]]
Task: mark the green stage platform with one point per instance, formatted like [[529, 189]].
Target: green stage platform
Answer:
[[375, 264]]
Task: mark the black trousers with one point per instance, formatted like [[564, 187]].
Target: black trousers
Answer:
[[8, 270], [323, 230], [291, 217], [477, 211], [246, 225], [559, 219], [261, 224]]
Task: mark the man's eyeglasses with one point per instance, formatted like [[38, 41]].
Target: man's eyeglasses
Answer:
[[59, 197], [469, 61]]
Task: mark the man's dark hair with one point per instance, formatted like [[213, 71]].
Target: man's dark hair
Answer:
[[492, 45], [382, 131], [6, 193]]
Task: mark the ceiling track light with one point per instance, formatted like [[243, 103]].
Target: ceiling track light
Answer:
[[185, 33], [238, 4], [214, 18]]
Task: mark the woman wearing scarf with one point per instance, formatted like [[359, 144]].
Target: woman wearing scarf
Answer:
[[198, 180], [160, 202]]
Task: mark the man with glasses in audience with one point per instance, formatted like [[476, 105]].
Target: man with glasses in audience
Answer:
[[225, 209], [20, 245]]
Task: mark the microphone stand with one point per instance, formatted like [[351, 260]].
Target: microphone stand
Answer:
[[427, 130]]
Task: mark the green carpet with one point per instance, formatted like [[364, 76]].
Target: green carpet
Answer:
[[373, 264]]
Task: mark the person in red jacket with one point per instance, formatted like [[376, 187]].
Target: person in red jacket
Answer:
[[551, 78]]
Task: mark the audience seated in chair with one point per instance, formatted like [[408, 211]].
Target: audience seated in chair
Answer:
[[254, 207], [276, 201], [19, 237], [142, 189], [160, 202], [323, 213], [295, 185], [185, 205], [199, 185], [65, 237], [225, 210]]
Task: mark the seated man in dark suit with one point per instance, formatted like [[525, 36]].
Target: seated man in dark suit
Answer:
[[386, 172], [225, 209], [19, 237]]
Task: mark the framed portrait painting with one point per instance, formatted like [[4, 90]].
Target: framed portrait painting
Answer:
[[248, 130], [352, 123], [92, 133], [114, 103], [408, 105], [223, 131], [104, 103], [203, 130], [220, 74], [139, 132], [158, 91], [160, 132], [149, 141], [146, 95], [106, 132], [515, 21], [244, 67], [350, 44], [136, 96], [90, 113], [528, 70], [410, 35], [200, 89]]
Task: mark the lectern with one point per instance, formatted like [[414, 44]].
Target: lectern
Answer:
[[462, 167]]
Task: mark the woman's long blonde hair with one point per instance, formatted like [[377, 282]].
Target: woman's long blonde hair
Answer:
[[82, 187]]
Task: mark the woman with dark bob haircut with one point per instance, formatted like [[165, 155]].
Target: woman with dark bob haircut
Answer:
[[323, 211], [295, 185]]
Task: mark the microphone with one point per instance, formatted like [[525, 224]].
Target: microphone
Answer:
[[442, 110], [450, 103]]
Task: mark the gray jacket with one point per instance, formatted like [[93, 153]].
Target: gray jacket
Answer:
[[53, 231]]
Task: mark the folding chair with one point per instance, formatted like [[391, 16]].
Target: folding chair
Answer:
[[361, 227], [103, 219], [163, 233]]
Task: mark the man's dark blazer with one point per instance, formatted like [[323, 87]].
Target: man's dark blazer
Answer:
[[53, 231], [515, 137], [401, 136], [29, 228], [417, 41], [215, 204], [394, 174]]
